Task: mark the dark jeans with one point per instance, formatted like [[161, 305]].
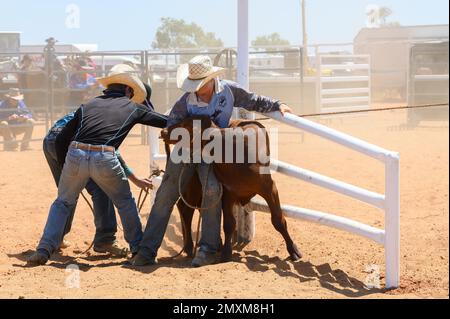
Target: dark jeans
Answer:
[[166, 198], [104, 213]]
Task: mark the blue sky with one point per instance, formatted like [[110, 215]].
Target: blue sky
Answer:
[[131, 24]]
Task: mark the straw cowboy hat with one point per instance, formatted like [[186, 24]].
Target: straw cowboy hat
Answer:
[[196, 73], [126, 75], [14, 94]]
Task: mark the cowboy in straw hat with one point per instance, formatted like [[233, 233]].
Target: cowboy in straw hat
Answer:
[[125, 75], [15, 119], [14, 94], [205, 95], [90, 142]]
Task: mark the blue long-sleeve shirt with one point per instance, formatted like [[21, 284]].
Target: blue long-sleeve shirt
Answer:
[[7, 110], [227, 95]]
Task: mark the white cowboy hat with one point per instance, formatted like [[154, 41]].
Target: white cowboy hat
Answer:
[[126, 75], [14, 94], [196, 73]]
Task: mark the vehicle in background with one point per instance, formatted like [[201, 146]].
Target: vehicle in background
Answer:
[[428, 81]]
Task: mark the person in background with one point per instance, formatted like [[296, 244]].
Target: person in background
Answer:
[[81, 79], [81, 82], [15, 119]]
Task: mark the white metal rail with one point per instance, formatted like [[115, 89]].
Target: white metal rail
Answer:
[[389, 237]]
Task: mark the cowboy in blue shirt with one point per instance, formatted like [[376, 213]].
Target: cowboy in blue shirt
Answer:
[[15, 119], [205, 95]]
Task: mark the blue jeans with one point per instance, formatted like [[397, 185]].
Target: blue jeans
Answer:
[[166, 198], [105, 170], [104, 213]]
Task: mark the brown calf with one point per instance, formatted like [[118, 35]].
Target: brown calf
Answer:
[[242, 181]]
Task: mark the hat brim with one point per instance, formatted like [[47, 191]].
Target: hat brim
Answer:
[[17, 97], [127, 79], [187, 85]]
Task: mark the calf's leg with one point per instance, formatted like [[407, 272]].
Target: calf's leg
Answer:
[[193, 196], [270, 194], [229, 224], [186, 214]]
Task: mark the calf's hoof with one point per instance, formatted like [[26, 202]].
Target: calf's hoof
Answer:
[[295, 253]]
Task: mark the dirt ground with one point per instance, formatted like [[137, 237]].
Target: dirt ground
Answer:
[[335, 264]]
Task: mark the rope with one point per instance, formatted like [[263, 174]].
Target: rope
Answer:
[[139, 203], [92, 209], [367, 110], [192, 206]]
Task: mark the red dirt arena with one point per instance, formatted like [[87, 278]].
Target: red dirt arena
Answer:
[[335, 264]]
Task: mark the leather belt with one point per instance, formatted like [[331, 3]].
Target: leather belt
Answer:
[[95, 148]]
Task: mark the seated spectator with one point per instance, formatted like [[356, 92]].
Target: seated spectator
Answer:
[[27, 63], [81, 79], [15, 119]]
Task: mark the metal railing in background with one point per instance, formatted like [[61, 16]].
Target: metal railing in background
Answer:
[[50, 87], [283, 81], [277, 72], [343, 82]]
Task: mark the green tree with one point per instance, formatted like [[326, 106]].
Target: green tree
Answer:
[[176, 33], [384, 14], [272, 40]]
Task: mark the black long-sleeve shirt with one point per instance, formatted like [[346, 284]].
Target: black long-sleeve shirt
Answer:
[[105, 120]]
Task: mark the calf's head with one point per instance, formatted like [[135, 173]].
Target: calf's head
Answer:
[[194, 126]]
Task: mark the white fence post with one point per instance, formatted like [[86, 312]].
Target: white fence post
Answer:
[[318, 107], [153, 140], [392, 222], [245, 218]]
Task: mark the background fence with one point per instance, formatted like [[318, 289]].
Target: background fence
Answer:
[[318, 79]]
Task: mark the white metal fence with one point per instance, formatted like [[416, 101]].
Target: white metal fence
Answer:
[[389, 202]]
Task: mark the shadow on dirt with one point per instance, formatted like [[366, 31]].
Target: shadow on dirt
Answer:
[[335, 280], [61, 261]]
